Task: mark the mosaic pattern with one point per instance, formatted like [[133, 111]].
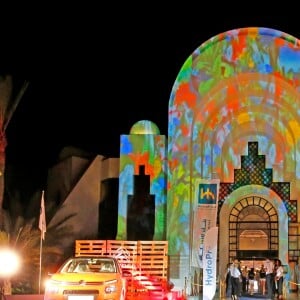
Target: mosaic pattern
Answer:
[[240, 86], [253, 172]]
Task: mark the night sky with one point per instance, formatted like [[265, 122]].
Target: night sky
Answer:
[[92, 77]]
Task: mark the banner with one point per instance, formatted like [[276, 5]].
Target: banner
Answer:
[[205, 216], [210, 263], [42, 220]]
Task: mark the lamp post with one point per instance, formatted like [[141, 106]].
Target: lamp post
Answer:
[[9, 265]]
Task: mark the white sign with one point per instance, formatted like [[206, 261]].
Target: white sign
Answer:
[[210, 263]]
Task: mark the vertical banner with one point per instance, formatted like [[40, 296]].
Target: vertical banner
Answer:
[[42, 220], [205, 216], [210, 263]]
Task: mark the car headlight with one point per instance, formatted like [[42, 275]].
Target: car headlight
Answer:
[[110, 289], [51, 286], [111, 286]]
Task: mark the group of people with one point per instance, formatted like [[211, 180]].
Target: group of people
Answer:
[[269, 279]]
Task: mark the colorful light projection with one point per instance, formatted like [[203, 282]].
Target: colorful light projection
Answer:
[[144, 146], [240, 86]]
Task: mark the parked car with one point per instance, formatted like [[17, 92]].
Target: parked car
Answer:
[[87, 278]]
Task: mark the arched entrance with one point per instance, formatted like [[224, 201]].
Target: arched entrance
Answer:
[[253, 230], [251, 227]]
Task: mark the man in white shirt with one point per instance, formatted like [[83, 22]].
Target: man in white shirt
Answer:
[[235, 275], [269, 266]]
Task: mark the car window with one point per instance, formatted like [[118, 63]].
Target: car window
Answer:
[[82, 267], [78, 265], [68, 267], [107, 266]]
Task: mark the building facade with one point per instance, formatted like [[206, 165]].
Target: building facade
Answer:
[[234, 117]]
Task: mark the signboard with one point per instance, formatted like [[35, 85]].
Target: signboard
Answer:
[[210, 263], [205, 216]]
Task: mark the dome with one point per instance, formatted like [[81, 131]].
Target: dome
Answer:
[[144, 127]]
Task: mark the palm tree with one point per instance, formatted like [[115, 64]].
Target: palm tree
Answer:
[[28, 245], [9, 101]]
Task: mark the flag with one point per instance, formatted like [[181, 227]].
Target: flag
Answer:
[[42, 221]]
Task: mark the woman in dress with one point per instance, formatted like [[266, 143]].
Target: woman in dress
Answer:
[[251, 278], [262, 279]]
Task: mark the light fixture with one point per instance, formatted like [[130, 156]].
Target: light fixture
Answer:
[[9, 262]]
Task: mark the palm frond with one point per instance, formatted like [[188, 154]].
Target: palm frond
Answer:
[[28, 245]]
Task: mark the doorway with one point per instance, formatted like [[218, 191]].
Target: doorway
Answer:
[[251, 227]]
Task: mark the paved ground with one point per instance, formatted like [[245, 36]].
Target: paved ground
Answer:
[[290, 296], [24, 297]]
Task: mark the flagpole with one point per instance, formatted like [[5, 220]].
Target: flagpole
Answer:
[[42, 227], [40, 271]]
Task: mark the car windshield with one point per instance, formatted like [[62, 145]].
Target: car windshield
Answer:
[[82, 265]]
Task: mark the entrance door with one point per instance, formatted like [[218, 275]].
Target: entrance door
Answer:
[[253, 230], [246, 214]]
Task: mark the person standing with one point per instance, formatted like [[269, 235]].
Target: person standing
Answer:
[[245, 282], [297, 275], [251, 278], [235, 275], [279, 278], [228, 281], [269, 266], [240, 280], [262, 280]]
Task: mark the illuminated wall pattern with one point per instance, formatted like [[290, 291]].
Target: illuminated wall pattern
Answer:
[[253, 171], [144, 146], [240, 86], [250, 180]]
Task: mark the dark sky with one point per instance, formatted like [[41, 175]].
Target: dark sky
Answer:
[[91, 77]]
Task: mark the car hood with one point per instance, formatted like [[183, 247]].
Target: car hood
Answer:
[[87, 277]]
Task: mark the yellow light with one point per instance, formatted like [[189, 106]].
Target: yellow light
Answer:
[[9, 262]]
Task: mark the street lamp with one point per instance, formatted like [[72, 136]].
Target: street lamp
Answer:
[[9, 265]]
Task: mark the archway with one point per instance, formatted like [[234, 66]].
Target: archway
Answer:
[[259, 200]]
